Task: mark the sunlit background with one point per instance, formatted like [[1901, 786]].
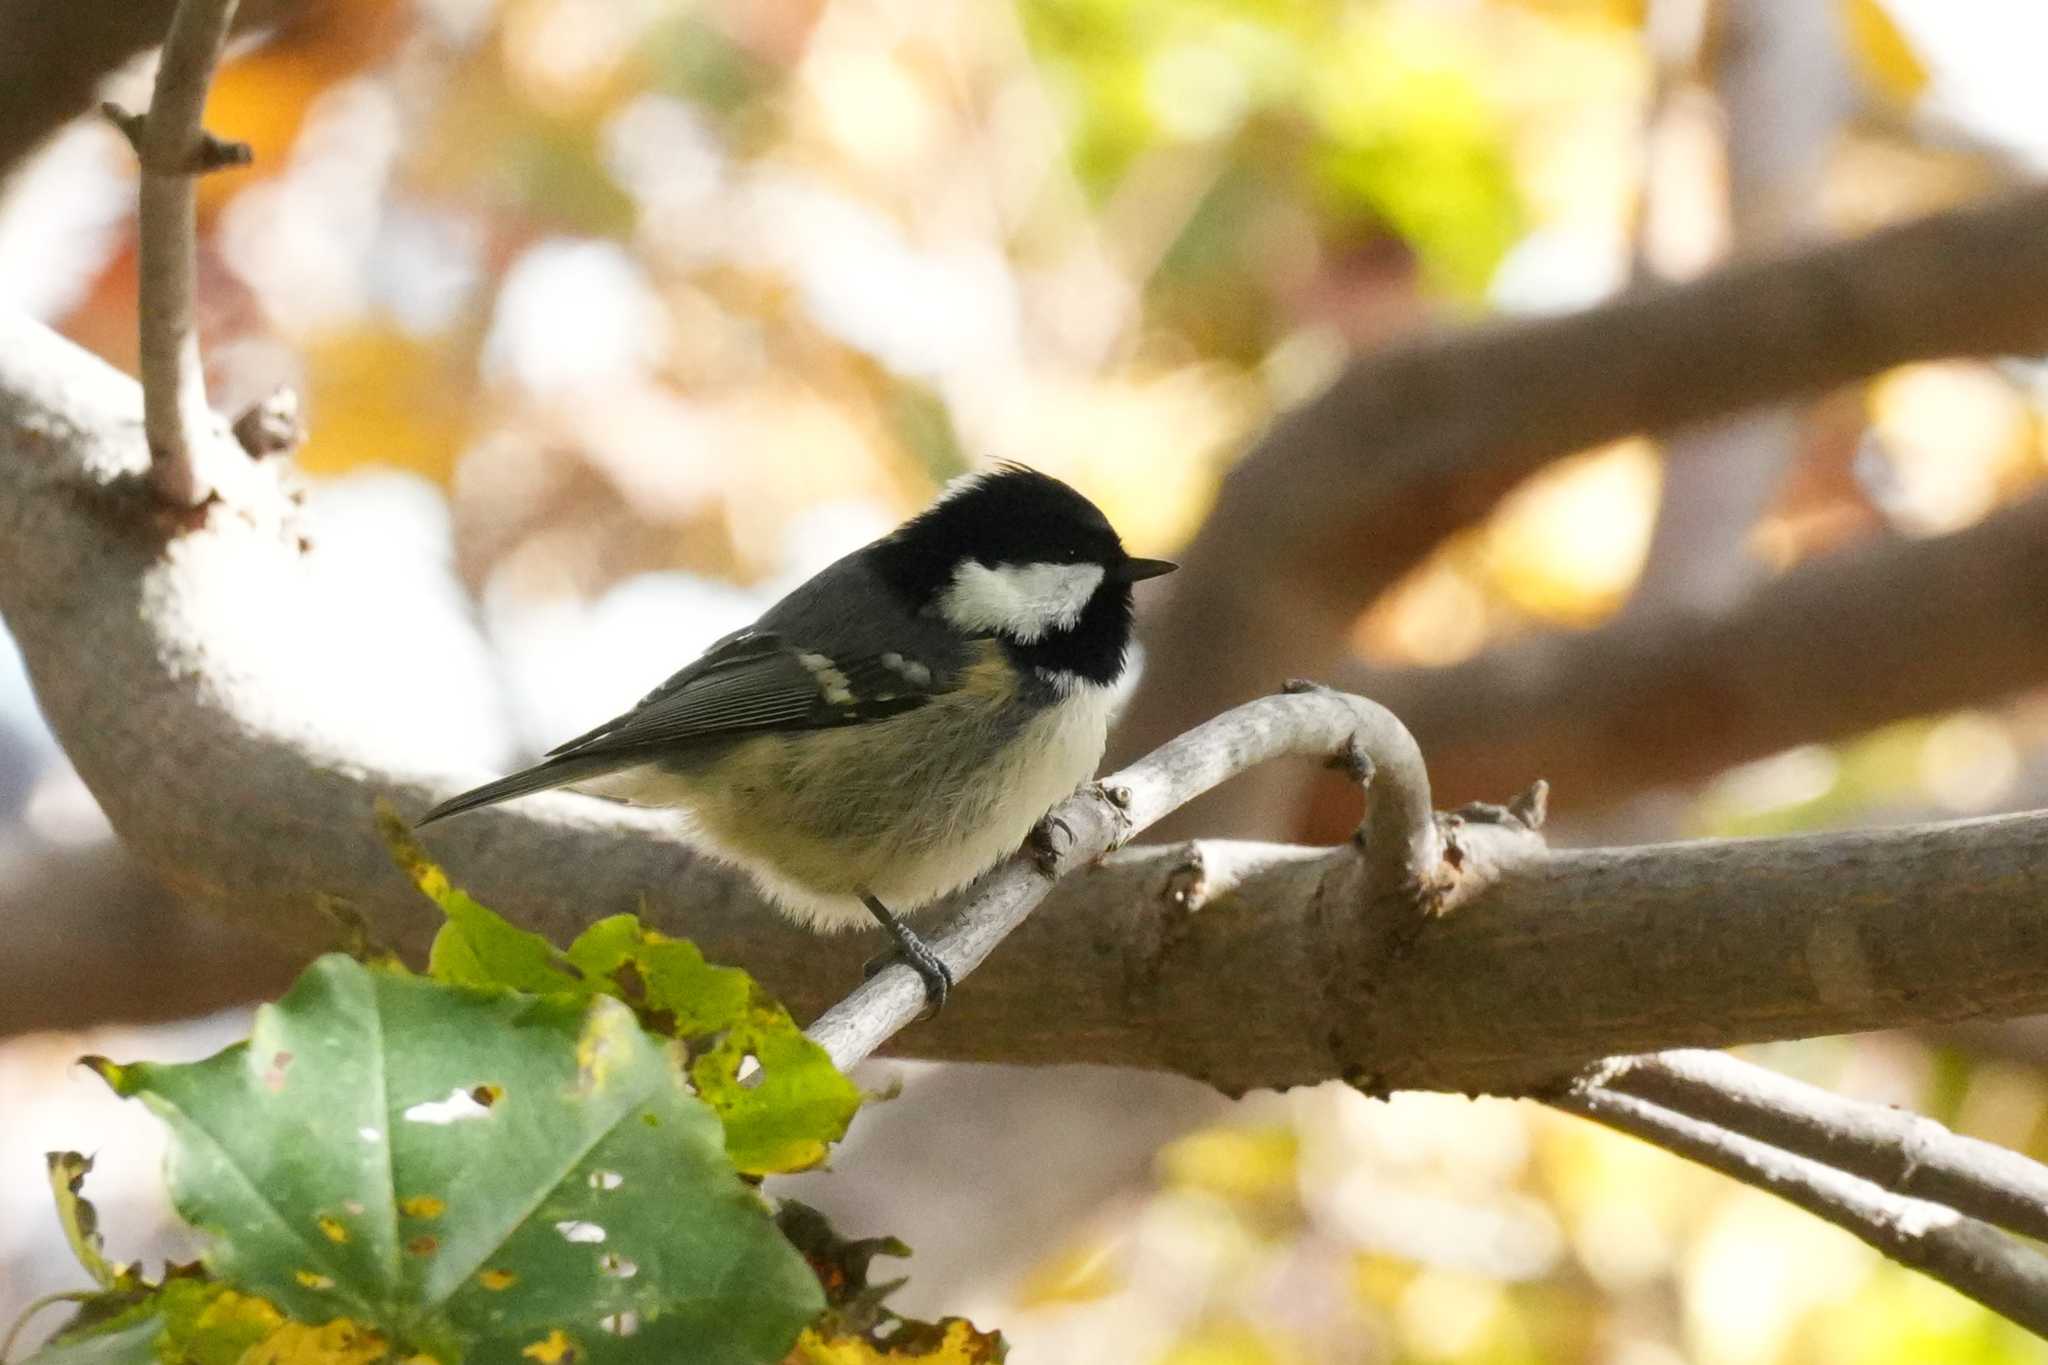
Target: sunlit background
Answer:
[[635, 312]]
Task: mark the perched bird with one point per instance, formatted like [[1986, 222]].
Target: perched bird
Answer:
[[896, 725]]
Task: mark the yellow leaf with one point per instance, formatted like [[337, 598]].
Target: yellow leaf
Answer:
[[956, 1343], [1236, 1163], [340, 1342], [1882, 52], [1617, 13], [378, 395], [1077, 1275]]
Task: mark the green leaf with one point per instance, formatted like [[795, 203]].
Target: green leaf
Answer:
[[474, 1175], [205, 1323], [81, 1222], [132, 1343], [192, 1321], [782, 1101], [475, 947], [666, 979], [783, 1112]]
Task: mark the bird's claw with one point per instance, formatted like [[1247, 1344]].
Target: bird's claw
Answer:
[[1048, 844], [916, 954]]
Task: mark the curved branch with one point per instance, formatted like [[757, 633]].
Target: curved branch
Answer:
[[1409, 445], [1900, 1152], [1970, 1257], [1399, 835], [236, 707]]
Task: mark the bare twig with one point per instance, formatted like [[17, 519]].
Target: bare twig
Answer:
[[55, 53], [1399, 834], [1969, 1256], [173, 149], [1895, 1149]]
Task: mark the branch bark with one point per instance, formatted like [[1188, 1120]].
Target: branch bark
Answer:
[[236, 716], [1408, 446], [1899, 1152], [1671, 697], [1969, 1256]]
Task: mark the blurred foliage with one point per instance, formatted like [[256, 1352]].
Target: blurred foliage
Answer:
[[646, 286], [1374, 115], [1882, 52]]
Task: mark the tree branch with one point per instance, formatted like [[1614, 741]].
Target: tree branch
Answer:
[[1399, 836], [1898, 1151], [1675, 696], [236, 707], [1968, 1256], [91, 939], [55, 53], [1411, 444], [174, 149]]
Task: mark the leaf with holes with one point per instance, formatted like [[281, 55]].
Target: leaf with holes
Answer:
[[407, 1154], [781, 1099]]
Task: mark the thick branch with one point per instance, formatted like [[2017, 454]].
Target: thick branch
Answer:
[[236, 708], [91, 939], [1970, 1257], [1896, 1150], [1344, 494], [1829, 649]]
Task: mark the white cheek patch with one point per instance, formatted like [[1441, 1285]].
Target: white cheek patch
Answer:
[[1022, 601]]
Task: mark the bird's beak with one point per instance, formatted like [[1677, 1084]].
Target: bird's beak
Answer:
[[1132, 570]]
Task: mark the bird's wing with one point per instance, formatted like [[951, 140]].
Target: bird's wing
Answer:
[[756, 681]]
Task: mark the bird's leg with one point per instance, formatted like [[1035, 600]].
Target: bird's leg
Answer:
[[914, 953]]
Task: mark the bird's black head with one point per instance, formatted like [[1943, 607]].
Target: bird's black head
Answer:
[[1018, 555]]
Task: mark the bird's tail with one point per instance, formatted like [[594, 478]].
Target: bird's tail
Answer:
[[555, 772]]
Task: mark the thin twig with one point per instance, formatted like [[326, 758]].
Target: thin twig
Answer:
[[1893, 1148], [1400, 835], [1971, 1257], [173, 149]]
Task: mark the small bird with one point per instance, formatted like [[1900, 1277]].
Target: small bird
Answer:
[[896, 725]]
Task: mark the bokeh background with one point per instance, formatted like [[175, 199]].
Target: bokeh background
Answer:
[[631, 313]]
